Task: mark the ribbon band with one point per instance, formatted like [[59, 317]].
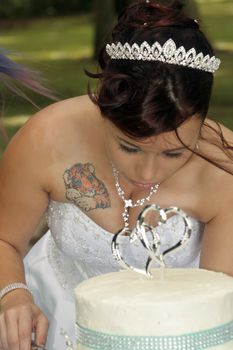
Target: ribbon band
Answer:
[[191, 341]]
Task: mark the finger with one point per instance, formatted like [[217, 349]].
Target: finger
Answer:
[[41, 330], [3, 334], [11, 325], [25, 331]]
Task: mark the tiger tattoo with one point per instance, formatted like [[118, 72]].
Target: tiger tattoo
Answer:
[[84, 189]]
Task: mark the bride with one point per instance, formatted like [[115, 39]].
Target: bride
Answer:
[[143, 136]]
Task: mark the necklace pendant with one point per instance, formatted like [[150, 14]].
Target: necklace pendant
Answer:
[[128, 203]]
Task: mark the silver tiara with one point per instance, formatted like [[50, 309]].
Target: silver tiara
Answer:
[[168, 53]]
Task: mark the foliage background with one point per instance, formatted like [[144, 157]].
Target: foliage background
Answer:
[[29, 8], [57, 37]]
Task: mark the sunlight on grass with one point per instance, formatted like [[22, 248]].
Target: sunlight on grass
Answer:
[[61, 55], [51, 55], [8, 40], [223, 73], [226, 46], [15, 121], [225, 4], [213, 1], [218, 8]]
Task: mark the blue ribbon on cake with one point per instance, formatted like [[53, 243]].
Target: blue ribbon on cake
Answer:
[[191, 341]]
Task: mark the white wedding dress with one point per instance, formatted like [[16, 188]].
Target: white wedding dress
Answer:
[[76, 248]]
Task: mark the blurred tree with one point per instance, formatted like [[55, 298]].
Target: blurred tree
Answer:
[[190, 6], [60, 7], [104, 17], [14, 8], [25, 8]]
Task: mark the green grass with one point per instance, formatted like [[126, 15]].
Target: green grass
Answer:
[[216, 18], [61, 47]]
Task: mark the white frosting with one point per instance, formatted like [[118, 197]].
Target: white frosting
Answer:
[[175, 301]]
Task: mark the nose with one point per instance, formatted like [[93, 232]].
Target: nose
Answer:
[[147, 170]]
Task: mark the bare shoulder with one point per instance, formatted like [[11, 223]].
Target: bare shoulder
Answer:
[[50, 134], [54, 123], [51, 120]]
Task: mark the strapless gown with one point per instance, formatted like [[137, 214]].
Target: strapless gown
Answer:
[[75, 248]]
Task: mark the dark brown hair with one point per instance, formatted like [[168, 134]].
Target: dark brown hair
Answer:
[[144, 98]]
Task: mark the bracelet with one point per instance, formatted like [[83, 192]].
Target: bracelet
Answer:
[[13, 286]]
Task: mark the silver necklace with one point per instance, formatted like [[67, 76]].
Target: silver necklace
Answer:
[[128, 203]]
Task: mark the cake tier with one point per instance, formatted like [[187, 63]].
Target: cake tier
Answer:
[[176, 302]]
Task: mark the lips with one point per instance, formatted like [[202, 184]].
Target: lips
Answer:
[[143, 184]]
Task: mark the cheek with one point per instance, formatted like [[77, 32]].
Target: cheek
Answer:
[[174, 164], [123, 162], [115, 155], [166, 166], [111, 151]]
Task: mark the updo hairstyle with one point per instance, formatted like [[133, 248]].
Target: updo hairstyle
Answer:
[[146, 98]]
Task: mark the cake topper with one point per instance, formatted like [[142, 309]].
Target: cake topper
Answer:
[[149, 237]]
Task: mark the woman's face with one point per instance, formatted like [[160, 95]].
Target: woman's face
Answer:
[[153, 160]]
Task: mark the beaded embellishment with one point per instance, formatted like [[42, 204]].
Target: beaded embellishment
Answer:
[[168, 53], [192, 341]]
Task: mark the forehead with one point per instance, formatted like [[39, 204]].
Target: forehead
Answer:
[[187, 132]]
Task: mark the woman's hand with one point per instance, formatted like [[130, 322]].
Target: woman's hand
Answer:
[[19, 318]]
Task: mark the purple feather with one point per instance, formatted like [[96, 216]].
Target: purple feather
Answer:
[[11, 72]]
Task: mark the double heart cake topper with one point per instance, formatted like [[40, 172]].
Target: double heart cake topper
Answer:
[[149, 237]]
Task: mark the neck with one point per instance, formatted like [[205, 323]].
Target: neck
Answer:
[[128, 203]]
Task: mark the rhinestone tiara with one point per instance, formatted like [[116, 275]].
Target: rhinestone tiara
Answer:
[[168, 53]]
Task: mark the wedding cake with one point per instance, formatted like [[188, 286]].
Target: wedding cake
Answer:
[[155, 309], [178, 309]]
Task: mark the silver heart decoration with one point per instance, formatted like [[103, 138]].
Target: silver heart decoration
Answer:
[[187, 229], [142, 227], [136, 234], [141, 233], [116, 249]]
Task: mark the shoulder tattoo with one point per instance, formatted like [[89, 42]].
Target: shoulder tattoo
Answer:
[[84, 189]]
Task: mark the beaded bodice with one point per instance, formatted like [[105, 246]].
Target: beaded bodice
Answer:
[[79, 248]]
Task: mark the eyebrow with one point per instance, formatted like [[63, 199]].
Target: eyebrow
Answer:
[[167, 150]]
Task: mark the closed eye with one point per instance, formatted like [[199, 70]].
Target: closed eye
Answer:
[[173, 155], [128, 149]]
